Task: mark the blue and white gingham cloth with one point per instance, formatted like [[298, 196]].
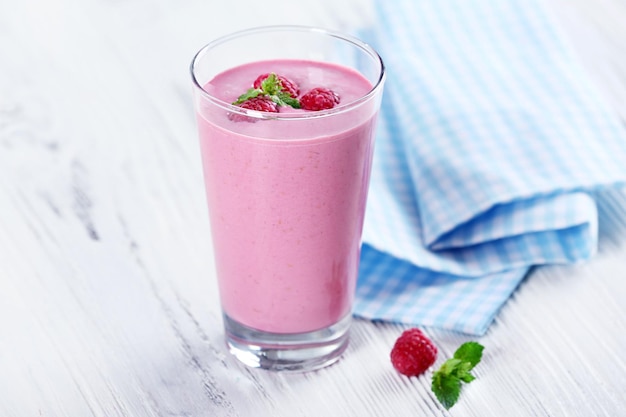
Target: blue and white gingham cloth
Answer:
[[490, 140]]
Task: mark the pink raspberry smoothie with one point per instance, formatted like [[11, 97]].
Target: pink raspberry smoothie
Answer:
[[287, 198]]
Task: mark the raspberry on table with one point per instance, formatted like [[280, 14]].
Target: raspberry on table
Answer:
[[413, 353], [286, 85], [319, 98], [255, 103]]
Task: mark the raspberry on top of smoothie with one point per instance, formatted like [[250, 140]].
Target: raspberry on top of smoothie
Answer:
[[271, 90]]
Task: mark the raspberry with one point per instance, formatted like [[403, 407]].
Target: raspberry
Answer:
[[286, 84], [319, 98], [260, 104], [255, 103], [413, 353]]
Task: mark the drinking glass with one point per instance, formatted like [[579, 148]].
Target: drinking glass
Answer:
[[286, 194]]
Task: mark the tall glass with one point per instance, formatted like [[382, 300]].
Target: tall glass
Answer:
[[286, 191]]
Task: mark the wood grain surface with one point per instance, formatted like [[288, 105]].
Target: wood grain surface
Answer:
[[108, 303]]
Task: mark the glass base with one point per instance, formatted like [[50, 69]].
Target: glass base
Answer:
[[287, 352]]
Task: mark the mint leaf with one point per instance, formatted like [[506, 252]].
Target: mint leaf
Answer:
[[271, 85], [470, 352], [446, 382], [446, 388], [284, 99], [467, 377], [449, 366], [288, 100], [251, 93], [462, 372]]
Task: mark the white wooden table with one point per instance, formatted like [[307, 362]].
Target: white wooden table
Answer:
[[108, 302]]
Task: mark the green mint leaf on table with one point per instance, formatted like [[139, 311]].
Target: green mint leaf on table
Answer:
[[446, 389], [271, 87], [470, 352], [463, 372], [446, 382]]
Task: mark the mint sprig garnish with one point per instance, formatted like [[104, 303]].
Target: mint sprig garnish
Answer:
[[271, 87], [251, 93], [446, 382]]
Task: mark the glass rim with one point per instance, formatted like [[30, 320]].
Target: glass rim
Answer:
[[289, 116]]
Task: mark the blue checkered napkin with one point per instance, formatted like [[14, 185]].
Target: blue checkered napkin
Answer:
[[490, 139]]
